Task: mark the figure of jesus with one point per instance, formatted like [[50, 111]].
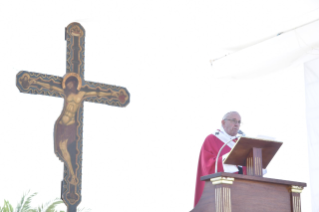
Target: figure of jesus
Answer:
[[66, 126]]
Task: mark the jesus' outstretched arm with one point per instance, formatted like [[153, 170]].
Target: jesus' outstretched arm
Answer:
[[47, 86], [98, 93]]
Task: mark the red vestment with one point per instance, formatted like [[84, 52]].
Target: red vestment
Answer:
[[207, 160]]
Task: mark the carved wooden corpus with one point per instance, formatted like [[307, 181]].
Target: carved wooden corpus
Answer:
[[254, 162], [295, 198], [222, 186]]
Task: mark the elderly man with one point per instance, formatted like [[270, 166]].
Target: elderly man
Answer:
[[207, 159]]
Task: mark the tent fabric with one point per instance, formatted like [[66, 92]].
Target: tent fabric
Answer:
[[311, 72], [270, 56]]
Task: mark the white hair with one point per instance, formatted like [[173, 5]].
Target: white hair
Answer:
[[227, 114]]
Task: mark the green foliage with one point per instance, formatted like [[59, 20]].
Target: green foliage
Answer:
[[7, 207], [83, 210], [47, 207], [24, 205]]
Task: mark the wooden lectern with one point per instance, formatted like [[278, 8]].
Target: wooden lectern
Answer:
[[227, 192]]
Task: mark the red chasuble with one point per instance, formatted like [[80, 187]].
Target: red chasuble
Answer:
[[207, 160]]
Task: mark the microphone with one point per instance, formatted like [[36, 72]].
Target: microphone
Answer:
[[241, 133]]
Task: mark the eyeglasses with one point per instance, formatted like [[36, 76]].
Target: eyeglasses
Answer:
[[234, 121]]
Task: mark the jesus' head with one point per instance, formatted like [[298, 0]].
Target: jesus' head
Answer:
[[71, 85]]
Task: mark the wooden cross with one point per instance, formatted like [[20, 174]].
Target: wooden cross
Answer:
[[69, 125]]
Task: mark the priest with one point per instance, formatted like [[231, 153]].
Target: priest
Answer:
[[208, 154]]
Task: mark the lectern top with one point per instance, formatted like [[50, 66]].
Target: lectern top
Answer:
[[243, 146]]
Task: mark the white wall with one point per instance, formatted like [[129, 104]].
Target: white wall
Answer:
[[312, 113]]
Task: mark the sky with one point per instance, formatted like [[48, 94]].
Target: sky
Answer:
[[144, 157]]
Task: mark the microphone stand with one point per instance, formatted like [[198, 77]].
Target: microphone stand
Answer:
[[241, 133], [216, 163]]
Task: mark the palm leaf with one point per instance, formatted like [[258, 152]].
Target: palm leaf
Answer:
[[50, 206], [7, 207], [84, 210], [19, 206], [24, 205], [47, 207]]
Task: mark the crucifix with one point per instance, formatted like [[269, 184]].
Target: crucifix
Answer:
[[68, 127]]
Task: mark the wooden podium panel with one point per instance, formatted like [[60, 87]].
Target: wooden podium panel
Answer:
[[244, 145], [226, 192]]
